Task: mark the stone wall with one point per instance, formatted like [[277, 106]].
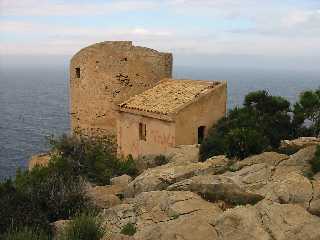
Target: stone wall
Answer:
[[163, 134], [204, 111], [160, 135], [105, 74]]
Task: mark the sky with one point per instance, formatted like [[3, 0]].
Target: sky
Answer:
[[199, 33]]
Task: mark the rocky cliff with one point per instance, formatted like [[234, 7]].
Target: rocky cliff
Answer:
[[269, 196]]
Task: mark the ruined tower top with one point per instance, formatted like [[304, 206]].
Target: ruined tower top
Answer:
[[105, 74]]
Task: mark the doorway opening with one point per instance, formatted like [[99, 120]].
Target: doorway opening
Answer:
[[201, 131]]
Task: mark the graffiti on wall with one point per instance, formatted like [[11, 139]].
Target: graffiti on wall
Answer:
[[162, 138]]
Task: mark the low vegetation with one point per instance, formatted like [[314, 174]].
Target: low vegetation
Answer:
[[128, 229], [261, 123], [26, 234], [84, 227], [43, 195], [93, 158], [315, 163], [40, 196], [161, 160]]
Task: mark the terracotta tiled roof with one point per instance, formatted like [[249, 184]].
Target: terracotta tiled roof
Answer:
[[168, 96]]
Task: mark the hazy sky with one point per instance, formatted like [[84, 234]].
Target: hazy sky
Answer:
[[266, 33]]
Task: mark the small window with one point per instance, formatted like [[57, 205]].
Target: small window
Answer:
[[78, 72], [201, 131], [142, 131]]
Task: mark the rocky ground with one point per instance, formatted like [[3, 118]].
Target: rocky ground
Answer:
[[264, 197]]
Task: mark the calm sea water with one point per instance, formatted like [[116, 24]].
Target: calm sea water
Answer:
[[34, 103]]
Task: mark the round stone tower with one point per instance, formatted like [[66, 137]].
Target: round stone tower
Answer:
[[105, 74]]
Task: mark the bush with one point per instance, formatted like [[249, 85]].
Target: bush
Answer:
[[93, 158], [315, 162], [128, 229], [26, 234], [161, 160], [18, 209], [243, 142], [56, 190], [308, 109], [41, 196], [84, 227], [261, 123]]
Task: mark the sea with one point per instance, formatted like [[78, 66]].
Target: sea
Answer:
[[34, 102]]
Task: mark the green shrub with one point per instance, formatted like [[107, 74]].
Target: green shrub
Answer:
[[18, 209], [93, 158], [261, 123], [308, 109], [161, 160], [84, 227], [56, 190], [26, 234], [41, 196], [243, 142], [128, 229], [315, 162]]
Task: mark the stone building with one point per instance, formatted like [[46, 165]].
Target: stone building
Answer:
[[105, 74], [128, 91], [174, 112]]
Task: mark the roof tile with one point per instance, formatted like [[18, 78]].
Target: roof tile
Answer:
[[168, 96]]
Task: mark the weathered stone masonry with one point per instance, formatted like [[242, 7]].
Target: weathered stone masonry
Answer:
[[105, 74], [127, 91]]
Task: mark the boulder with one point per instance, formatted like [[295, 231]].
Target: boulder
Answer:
[[267, 221], [183, 154], [121, 180], [314, 204], [301, 142], [251, 178], [289, 221], [268, 158], [159, 178], [298, 162], [214, 188], [41, 160], [294, 188], [164, 215], [104, 196], [255, 172]]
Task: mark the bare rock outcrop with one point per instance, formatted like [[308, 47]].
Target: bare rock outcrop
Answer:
[[165, 215], [104, 196], [298, 162], [183, 154], [159, 178], [301, 142], [267, 221], [121, 180], [263, 197], [214, 188]]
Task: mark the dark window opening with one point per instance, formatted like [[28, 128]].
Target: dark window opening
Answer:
[[201, 131], [77, 72], [143, 131]]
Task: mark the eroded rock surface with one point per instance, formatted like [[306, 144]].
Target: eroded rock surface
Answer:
[[269, 196], [300, 142], [164, 214], [215, 188], [267, 221], [159, 178]]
